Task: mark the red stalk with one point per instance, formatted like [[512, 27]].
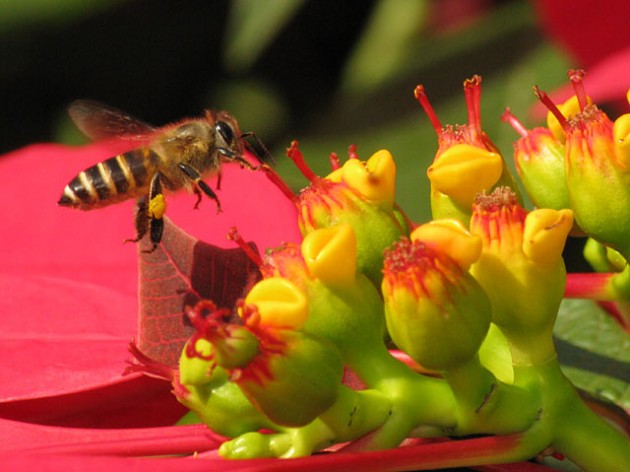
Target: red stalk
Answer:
[[513, 121], [472, 92], [544, 98], [422, 98], [593, 286], [334, 161], [576, 76], [282, 186], [294, 153], [234, 236]]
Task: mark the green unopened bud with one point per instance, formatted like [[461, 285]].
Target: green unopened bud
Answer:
[[435, 311], [539, 158], [296, 378], [597, 169], [204, 388]]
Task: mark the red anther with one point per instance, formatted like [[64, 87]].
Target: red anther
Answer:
[[294, 153], [513, 121], [352, 152], [209, 323], [576, 76], [472, 92], [422, 98], [334, 161], [544, 98], [233, 235]]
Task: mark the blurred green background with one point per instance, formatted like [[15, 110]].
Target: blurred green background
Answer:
[[328, 73]]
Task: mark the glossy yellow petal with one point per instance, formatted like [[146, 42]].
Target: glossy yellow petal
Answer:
[[374, 179], [280, 303], [331, 254], [463, 171], [452, 238], [545, 234]]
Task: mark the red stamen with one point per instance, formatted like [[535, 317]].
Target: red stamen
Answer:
[[294, 153], [352, 152], [148, 366], [209, 323], [544, 98], [513, 121], [422, 98], [278, 182], [253, 255], [334, 161], [472, 91], [576, 76]]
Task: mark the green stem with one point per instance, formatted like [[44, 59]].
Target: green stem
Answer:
[[416, 400], [485, 405], [530, 348], [574, 429]]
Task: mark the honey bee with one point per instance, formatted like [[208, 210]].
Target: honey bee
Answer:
[[174, 157]]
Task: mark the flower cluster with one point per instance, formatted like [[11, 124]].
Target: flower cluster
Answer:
[[305, 360]]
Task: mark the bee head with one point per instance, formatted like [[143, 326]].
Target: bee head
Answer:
[[227, 132]]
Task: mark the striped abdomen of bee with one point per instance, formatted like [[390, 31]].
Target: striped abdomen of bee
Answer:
[[114, 180]]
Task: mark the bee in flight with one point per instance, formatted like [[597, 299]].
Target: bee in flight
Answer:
[[175, 156]]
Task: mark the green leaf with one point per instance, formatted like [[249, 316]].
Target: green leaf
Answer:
[[594, 351], [386, 43], [252, 26], [16, 13]]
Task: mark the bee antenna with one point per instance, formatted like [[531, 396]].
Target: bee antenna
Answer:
[[255, 146]]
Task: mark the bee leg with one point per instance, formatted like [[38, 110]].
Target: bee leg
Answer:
[[141, 220], [155, 211], [200, 185], [231, 156], [219, 177]]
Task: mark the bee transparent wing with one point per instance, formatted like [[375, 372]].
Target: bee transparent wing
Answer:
[[99, 121]]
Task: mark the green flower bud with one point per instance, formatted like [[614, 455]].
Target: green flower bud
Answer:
[[539, 158], [435, 311], [597, 169]]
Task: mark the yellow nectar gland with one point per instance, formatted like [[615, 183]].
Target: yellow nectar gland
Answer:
[[281, 304], [462, 171], [621, 137], [545, 234], [331, 254], [374, 179], [450, 237]]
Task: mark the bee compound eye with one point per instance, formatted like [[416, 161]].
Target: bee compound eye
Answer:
[[225, 131]]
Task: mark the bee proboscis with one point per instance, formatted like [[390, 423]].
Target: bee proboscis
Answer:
[[175, 156]]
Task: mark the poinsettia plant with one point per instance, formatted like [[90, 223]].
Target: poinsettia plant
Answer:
[[359, 333]]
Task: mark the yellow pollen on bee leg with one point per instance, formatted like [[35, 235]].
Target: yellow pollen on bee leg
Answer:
[[157, 207]]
